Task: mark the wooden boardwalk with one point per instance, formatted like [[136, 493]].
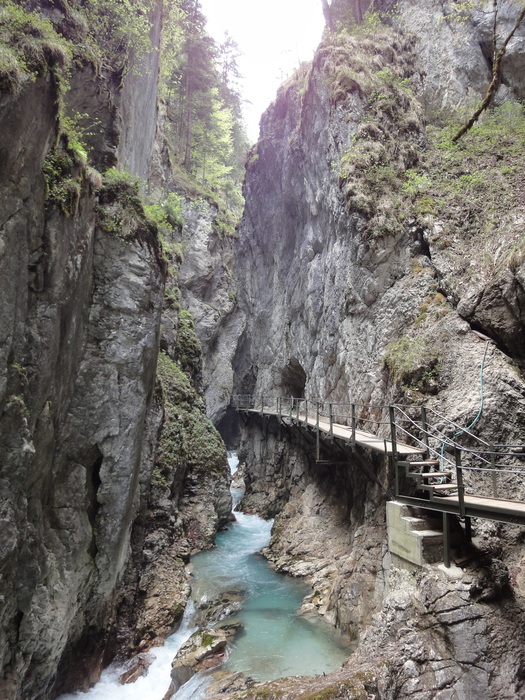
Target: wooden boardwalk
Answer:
[[499, 509], [362, 438], [434, 487]]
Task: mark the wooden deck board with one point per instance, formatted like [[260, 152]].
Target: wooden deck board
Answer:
[[492, 505]]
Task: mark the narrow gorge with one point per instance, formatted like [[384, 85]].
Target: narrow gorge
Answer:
[[375, 258]]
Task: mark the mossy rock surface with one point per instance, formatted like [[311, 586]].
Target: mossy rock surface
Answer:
[[188, 438]]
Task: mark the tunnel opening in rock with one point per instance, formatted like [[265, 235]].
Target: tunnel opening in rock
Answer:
[[293, 379]]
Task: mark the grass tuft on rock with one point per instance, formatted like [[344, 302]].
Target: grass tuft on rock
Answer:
[[377, 72], [29, 46], [413, 363]]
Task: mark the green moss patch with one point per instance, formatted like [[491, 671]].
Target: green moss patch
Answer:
[[64, 171], [188, 438], [188, 348], [413, 363]]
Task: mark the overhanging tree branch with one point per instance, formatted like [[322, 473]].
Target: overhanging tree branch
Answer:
[[496, 72]]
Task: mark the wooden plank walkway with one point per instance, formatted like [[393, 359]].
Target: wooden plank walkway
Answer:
[[490, 508], [343, 432], [498, 509]]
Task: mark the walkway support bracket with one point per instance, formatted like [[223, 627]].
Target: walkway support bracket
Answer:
[[446, 540]]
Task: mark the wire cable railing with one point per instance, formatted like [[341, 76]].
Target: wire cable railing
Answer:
[[440, 439]]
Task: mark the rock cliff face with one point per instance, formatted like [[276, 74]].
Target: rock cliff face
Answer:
[[109, 474], [78, 375], [208, 289], [344, 270]]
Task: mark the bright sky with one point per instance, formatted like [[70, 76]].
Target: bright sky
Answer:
[[274, 37]]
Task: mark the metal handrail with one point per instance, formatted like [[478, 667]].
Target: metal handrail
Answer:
[[331, 409], [429, 430]]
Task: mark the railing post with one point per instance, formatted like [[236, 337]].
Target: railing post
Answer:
[[446, 539], [353, 424], [306, 412], [279, 408], [424, 425], [468, 528], [331, 421], [494, 472], [298, 409], [459, 481], [262, 404], [392, 414]]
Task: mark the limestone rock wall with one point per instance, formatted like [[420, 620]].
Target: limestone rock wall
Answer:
[[323, 294], [206, 277], [93, 537], [208, 286], [80, 326]]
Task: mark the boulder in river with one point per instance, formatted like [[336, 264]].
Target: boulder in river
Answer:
[[137, 668], [205, 649], [224, 605]]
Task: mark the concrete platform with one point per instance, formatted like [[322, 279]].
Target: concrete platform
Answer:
[[410, 538]]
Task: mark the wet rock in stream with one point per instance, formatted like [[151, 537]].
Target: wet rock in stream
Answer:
[[137, 667], [204, 650], [224, 605]]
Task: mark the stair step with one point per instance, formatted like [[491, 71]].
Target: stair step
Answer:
[[426, 463], [413, 524], [429, 535], [440, 487], [426, 475]]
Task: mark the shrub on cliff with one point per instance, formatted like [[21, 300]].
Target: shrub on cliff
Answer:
[[29, 46]]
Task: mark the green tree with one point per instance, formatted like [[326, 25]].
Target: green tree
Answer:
[[198, 72], [200, 86], [228, 56]]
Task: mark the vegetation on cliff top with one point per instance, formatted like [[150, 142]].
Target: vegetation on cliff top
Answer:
[[375, 63], [204, 134], [405, 175], [399, 169], [468, 194]]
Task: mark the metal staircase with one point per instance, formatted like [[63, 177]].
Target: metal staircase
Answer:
[[427, 477]]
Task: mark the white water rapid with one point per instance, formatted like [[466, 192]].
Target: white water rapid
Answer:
[[153, 685]]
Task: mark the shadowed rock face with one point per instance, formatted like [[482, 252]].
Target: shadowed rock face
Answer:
[[80, 327], [80, 409]]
